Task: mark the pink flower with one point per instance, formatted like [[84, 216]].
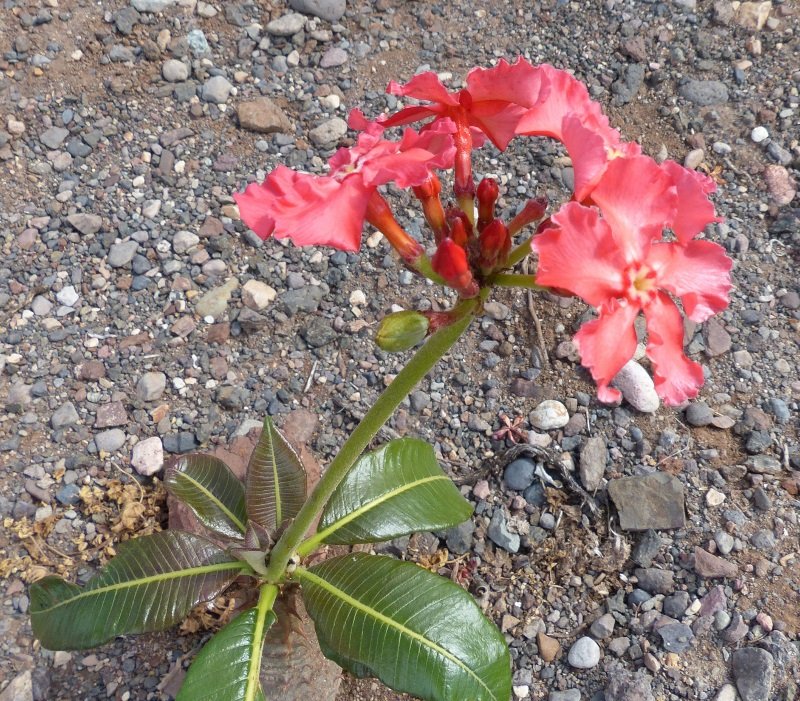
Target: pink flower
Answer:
[[494, 100], [330, 210], [620, 264]]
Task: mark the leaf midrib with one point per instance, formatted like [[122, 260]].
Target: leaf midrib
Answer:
[[404, 630], [213, 497], [163, 577]]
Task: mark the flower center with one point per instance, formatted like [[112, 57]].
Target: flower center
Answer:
[[642, 284]]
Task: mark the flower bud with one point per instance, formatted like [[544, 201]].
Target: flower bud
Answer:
[[495, 244], [401, 331], [532, 211], [450, 261], [488, 192]]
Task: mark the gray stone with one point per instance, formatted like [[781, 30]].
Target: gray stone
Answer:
[[675, 606], [153, 5], [65, 415], [752, 670], [110, 440], [333, 57], [19, 689], [763, 539], [184, 241], [175, 71], [147, 457], [54, 137], [676, 637], [566, 695], [69, 495], [650, 501], [727, 692], [216, 89], [86, 224], [318, 332], [519, 474], [705, 92], [214, 303], [713, 602], [624, 685], [68, 296], [41, 306], [305, 299], [603, 626], [198, 44], [121, 254], [329, 132], [121, 54], [646, 548], [252, 322], [500, 535], [151, 386], [655, 581], [584, 653], [712, 567], [263, 116], [287, 25], [329, 10], [724, 541], [459, 539], [736, 630], [18, 397], [125, 20], [593, 459], [699, 414], [549, 415], [637, 387]]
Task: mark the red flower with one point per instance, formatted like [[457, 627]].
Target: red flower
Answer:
[[494, 100], [330, 210], [620, 264], [450, 261]]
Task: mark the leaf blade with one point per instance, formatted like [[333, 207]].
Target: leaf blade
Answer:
[[209, 487], [276, 480], [393, 491], [151, 584], [416, 631]]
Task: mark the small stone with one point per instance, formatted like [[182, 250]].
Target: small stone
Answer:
[[753, 16], [68, 296], [763, 539], [287, 25], [675, 605], [151, 386], [724, 541], [41, 306], [705, 92], [736, 630], [603, 626], [699, 414], [624, 685], [759, 134], [54, 137], [637, 387], [549, 648], [111, 414], [651, 501], [20, 688], [110, 440], [593, 459], [752, 670], [459, 538], [175, 71], [86, 224], [183, 241], [646, 548], [147, 457], [481, 490], [257, 295], [714, 497], [549, 415], [69, 495], [711, 566], [500, 535], [694, 158], [263, 116], [153, 5], [718, 340], [676, 637], [727, 692], [120, 254], [333, 57], [566, 695], [655, 581], [216, 89], [65, 415], [584, 653], [214, 303], [519, 474], [781, 187], [329, 132], [329, 10]]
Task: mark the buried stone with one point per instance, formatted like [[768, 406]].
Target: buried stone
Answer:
[[650, 501]]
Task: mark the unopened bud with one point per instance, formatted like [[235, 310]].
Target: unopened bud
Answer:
[[450, 262], [488, 192], [532, 211], [495, 244], [401, 331]]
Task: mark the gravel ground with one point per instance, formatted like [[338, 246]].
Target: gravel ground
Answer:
[[139, 319]]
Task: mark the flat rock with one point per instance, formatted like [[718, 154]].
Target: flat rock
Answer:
[[152, 5], [147, 456], [549, 415], [214, 303], [65, 415], [86, 224], [705, 92], [257, 295], [637, 387], [120, 254], [110, 440], [500, 535], [711, 566], [676, 637], [263, 116], [19, 689], [287, 25], [329, 132], [752, 670], [54, 137], [333, 57], [593, 459], [650, 501], [111, 414], [329, 10], [655, 581]]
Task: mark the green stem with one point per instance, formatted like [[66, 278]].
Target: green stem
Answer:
[[266, 600], [419, 366], [519, 253], [512, 280]]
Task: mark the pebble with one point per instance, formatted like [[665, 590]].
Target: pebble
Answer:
[[603, 627], [329, 10], [500, 535], [153, 5], [694, 158], [549, 415], [704, 92], [699, 414], [287, 25], [519, 474], [652, 501], [147, 457], [655, 581], [121, 254], [752, 669], [637, 387], [711, 566], [566, 695], [65, 415], [151, 386], [216, 89], [727, 692], [781, 187], [333, 58], [714, 497], [676, 637], [214, 303], [183, 241], [263, 116], [54, 137], [593, 459], [329, 132], [110, 440], [257, 295], [86, 224], [584, 653], [175, 71]]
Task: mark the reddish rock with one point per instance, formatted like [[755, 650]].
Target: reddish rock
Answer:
[[92, 370], [711, 566], [111, 414], [218, 333]]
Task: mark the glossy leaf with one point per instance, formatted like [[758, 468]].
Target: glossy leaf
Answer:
[[211, 490], [222, 668], [276, 480], [151, 584], [398, 489], [414, 630]]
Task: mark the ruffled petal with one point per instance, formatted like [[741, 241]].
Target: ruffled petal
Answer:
[[409, 115], [308, 209], [606, 344], [424, 86], [637, 199], [518, 82], [694, 210], [676, 377], [698, 273], [580, 254], [498, 120]]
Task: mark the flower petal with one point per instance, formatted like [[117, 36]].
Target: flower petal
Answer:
[[694, 209], [606, 344], [308, 209], [579, 254], [518, 82], [637, 199], [676, 377], [698, 273], [424, 86]]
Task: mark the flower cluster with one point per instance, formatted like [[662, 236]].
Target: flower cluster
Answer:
[[627, 242]]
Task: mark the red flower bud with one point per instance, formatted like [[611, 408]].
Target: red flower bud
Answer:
[[488, 191], [450, 261], [381, 217], [532, 211], [428, 195], [458, 232], [495, 245]]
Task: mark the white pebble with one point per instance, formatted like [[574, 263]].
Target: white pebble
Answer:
[[759, 134]]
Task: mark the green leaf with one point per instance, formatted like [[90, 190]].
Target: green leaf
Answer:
[[151, 585], [395, 490], [417, 632], [211, 490], [222, 668], [276, 480]]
